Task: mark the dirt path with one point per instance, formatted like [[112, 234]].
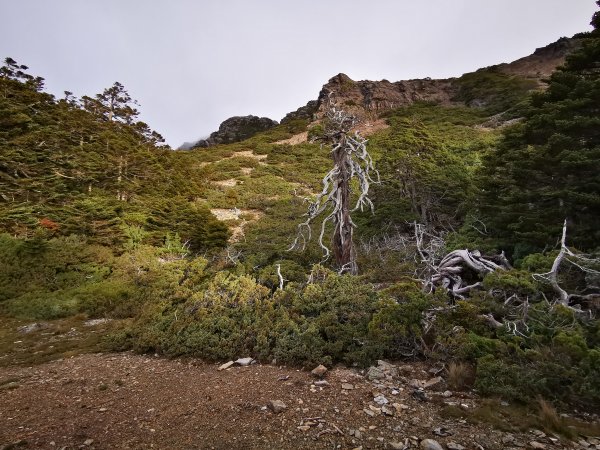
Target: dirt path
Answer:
[[127, 401]]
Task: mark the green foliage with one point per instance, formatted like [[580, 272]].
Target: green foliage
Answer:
[[334, 318], [544, 170], [493, 90], [426, 160]]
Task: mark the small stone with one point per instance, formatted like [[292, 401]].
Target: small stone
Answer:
[[395, 392], [375, 409], [381, 400], [244, 361], [304, 427], [277, 406], [368, 412], [447, 394], [417, 384], [227, 365], [454, 446], [103, 410], [387, 410], [321, 383], [375, 374], [430, 444], [88, 442], [507, 439], [433, 382], [319, 371], [388, 368], [400, 406], [396, 445], [372, 427], [537, 445], [347, 386], [357, 434], [420, 395], [441, 431]]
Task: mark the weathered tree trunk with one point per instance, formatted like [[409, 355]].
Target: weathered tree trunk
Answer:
[[343, 246]]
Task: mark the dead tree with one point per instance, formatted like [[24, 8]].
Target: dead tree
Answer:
[[450, 271], [351, 160], [581, 261]]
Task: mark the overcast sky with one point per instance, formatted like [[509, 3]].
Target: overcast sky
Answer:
[[193, 63]]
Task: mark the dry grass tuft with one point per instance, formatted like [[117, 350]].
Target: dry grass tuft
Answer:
[[549, 417], [459, 375]]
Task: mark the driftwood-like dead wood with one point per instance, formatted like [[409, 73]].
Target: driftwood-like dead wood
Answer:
[[458, 262], [450, 270], [581, 261]]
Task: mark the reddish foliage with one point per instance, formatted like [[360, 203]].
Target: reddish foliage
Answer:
[[49, 224]]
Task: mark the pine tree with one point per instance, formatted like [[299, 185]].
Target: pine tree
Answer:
[[547, 168], [113, 105]]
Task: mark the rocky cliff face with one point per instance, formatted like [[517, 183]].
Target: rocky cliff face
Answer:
[[237, 129], [368, 99], [371, 98]]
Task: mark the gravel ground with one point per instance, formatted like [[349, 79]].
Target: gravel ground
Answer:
[[127, 401]]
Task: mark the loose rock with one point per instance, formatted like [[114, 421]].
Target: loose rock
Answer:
[[277, 406], [319, 371], [244, 361], [454, 446], [375, 374], [347, 386], [430, 444], [396, 445], [433, 382], [387, 410], [227, 365], [381, 400]]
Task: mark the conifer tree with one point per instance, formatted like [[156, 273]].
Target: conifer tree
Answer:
[[547, 168]]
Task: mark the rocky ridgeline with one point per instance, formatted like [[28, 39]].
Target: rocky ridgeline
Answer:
[[236, 129], [368, 99], [371, 98]]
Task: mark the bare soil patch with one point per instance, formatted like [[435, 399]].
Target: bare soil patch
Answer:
[[127, 401]]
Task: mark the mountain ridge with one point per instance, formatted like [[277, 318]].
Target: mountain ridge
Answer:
[[367, 99]]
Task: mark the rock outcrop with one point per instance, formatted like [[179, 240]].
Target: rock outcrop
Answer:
[[237, 129], [304, 112], [369, 99]]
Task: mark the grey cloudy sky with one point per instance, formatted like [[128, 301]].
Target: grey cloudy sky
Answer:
[[192, 64]]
